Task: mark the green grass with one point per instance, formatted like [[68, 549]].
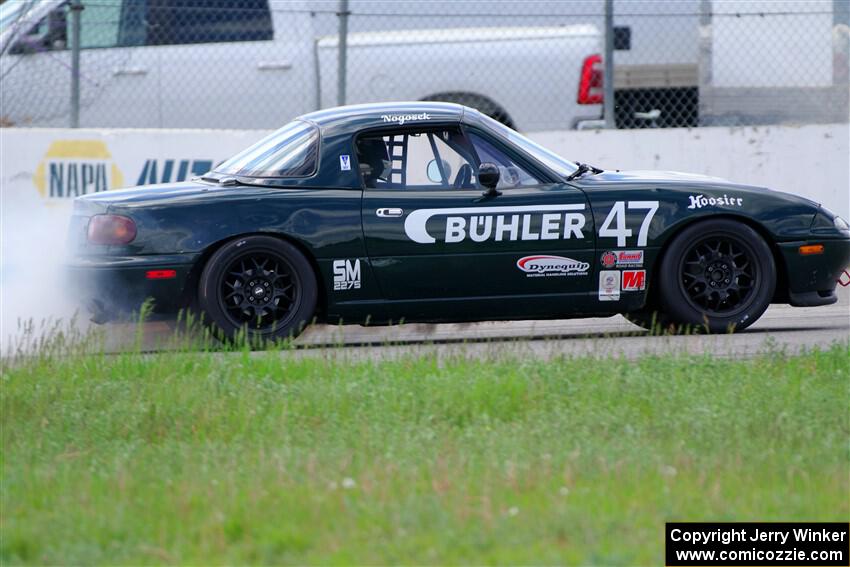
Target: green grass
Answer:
[[232, 458]]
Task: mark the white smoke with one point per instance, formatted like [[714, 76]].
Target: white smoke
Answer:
[[34, 293]]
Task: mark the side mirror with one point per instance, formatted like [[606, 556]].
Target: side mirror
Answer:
[[488, 177]]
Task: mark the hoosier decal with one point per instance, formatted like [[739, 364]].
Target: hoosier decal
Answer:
[[499, 223], [700, 201]]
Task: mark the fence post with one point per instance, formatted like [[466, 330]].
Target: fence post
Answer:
[[608, 80], [76, 7], [705, 96], [840, 61], [343, 52]]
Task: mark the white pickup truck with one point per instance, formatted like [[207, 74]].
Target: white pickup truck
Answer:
[[222, 64]]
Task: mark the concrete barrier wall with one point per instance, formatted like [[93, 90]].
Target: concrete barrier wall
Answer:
[[812, 161], [44, 169]]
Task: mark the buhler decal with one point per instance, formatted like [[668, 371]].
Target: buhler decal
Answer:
[[480, 224]]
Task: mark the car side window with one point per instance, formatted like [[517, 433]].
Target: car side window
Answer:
[[112, 23], [49, 34], [99, 25], [204, 21], [417, 160], [511, 174]]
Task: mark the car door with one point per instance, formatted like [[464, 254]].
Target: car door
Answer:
[[232, 64], [430, 232]]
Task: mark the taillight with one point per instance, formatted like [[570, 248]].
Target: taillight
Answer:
[[111, 229], [590, 86]]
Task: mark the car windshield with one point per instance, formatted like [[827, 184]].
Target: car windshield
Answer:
[[11, 11], [292, 151], [548, 158]]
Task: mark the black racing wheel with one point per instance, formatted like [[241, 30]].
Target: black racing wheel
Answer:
[[259, 284], [718, 275]]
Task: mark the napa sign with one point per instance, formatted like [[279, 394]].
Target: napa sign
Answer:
[[59, 165], [71, 168]]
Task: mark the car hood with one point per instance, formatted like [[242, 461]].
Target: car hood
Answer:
[[689, 182], [648, 176]]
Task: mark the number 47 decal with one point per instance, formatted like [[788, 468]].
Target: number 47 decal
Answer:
[[617, 216]]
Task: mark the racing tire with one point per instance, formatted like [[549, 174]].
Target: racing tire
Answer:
[[717, 276], [260, 286]]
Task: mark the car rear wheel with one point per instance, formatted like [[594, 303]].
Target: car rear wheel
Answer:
[[717, 275], [260, 285]]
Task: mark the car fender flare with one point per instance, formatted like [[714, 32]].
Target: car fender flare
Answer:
[[781, 268]]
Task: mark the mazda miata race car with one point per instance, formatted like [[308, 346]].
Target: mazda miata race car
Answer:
[[433, 212]]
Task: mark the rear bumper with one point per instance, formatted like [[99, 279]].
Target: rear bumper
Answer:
[[114, 286], [812, 279]]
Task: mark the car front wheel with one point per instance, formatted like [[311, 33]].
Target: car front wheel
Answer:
[[718, 275], [259, 284]]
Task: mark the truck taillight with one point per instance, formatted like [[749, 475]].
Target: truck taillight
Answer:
[[590, 86], [111, 229]]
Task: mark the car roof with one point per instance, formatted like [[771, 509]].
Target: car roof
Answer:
[[358, 116]]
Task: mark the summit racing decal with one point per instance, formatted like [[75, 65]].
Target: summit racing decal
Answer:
[[532, 222], [545, 265], [700, 201], [622, 259], [402, 118]]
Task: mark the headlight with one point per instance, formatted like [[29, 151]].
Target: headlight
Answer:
[[826, 222]]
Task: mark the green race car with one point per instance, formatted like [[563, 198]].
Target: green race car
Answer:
[[433, 212]]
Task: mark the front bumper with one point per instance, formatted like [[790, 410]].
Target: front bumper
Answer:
[[113, 286], [812, 279]]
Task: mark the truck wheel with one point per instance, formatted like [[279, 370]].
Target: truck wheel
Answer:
[[261, 285], [717, 275]]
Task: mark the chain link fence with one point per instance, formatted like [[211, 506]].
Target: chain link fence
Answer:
[[535, 65]]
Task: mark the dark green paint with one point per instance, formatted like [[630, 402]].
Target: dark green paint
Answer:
[[330, 217]]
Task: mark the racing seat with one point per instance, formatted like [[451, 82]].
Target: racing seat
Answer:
[[374, 158]]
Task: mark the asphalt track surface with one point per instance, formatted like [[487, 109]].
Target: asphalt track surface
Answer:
[[781, 328]]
